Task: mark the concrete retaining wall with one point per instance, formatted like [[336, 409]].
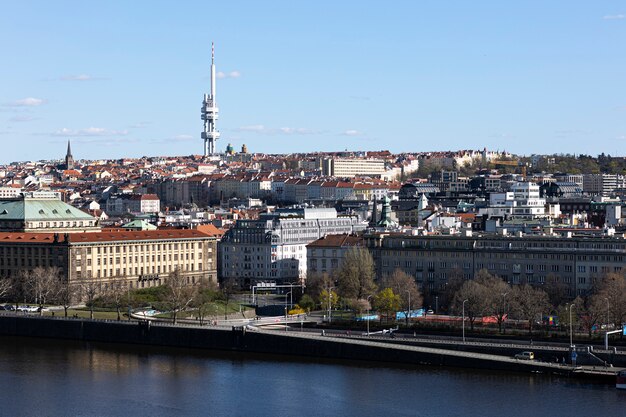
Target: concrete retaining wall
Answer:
[[280, 343]]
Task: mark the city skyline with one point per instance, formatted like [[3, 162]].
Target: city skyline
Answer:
[[127, 79]]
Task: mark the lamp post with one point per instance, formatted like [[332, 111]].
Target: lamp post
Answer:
[[571, 333], [286, 294], [608, 318], [367, 318], [436, 304], [330, 296], [409, 311], [286, 310], [503, 310], [464, 301]]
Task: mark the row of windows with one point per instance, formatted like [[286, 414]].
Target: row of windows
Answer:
[[142, 248]]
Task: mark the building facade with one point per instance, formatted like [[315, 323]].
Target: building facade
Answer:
[[141, 258], [273, 248], [577, 261]]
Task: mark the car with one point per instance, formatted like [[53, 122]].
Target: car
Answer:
[[430, 312], [526, 356]]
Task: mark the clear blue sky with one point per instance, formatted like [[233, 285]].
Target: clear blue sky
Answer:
[[126, 78]]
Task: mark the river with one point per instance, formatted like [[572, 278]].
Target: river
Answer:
[[42, 377]]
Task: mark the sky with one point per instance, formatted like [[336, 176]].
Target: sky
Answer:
[[126, 78]]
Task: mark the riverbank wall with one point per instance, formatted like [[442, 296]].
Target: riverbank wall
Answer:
[[242, 339]]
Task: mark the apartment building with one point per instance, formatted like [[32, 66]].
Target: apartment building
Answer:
[[577, 261]]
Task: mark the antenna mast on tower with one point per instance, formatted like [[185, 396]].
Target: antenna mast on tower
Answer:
[[209, 113]]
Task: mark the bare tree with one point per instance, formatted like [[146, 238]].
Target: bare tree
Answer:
[[87, 290], [404, 286], [179, 294], [472, 294], [590, 310], [6, 286], [42, 285], [356, 275], [556, 289], [316, 282], [494, 291], [67, 294], [18, 287], [530, 303], [228, 288], [612, 290], [116, 294]]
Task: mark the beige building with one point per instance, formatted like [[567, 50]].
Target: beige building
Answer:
[[351, 167], [142, 258]]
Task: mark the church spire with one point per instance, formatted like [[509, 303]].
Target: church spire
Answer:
[[69, 159]]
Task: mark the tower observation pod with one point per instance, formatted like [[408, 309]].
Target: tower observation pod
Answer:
[[209, 113]]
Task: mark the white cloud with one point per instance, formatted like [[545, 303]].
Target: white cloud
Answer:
[[614, 16], [28, 102], [90, 131], [231, 74], [352, 132], [261, 129], [252, 128], [24, 118]]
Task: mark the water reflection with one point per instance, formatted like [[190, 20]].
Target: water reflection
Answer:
[[49, 377]]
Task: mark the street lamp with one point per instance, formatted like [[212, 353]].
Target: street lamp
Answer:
[[503, 309], [571, 334], [367, 318], [464, 301], [330, 296], [436, 304], [408, 312], [286, 294], [286, 325], [608, 318]]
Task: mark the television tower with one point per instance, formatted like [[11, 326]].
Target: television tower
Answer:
[[209, 113]]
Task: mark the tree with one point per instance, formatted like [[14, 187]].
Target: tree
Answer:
[[307, 303], [556, 289], [472, 293], [116, 293], [316, 282], [5, 287], [530, 303], [18, 287], [405, 287], [590, 311], [494, 292], [88, 290], [179, 294], [612, 289], [67, 294], [455, 282], [41, 284], [329, 299], [356, 274], [387, 302], [228, 288]]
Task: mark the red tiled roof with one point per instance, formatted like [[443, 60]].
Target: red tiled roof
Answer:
[[106, 236], [337, 241]]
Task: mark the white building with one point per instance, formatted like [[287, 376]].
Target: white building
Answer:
[[273, 248]]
